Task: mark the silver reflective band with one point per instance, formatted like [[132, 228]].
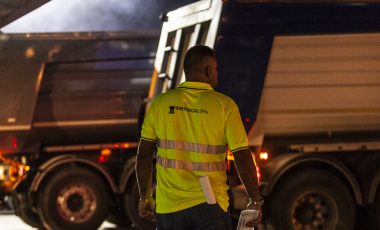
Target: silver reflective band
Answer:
[[192, 147], [192, 166]]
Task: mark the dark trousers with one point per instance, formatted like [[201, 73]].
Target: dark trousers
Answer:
[[200, 217]]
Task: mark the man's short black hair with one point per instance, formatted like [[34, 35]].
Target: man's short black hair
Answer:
[[194, 56]]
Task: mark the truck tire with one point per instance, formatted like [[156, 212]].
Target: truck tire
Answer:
[[25, 211], [311, 200], [377, 208], [73, 198], [117, 216], [131, 204], [30, 218]]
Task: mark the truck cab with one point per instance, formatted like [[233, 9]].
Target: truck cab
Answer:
[[306, 79]]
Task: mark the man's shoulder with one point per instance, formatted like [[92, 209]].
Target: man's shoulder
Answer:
[[173, 93]]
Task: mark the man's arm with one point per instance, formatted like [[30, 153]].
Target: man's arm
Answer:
[[144, 178], [247, 172]]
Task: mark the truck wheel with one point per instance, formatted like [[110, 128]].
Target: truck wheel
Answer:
[[377, 208], [24, 210], [30, 218], [73, 198], [311, 200], [131, 204], [117, 216]]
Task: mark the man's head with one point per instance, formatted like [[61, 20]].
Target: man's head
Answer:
[[200, 65]]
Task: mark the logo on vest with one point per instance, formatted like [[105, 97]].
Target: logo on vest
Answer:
[[172, 110]]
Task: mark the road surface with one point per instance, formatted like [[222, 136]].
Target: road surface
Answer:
[[12, 222]]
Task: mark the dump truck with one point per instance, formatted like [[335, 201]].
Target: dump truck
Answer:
[[69, 125], [306, 78]]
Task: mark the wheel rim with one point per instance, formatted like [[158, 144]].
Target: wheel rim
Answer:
[[314, 211], [76, 203]]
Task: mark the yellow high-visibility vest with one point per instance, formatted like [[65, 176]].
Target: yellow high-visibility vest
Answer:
[[193, 126]]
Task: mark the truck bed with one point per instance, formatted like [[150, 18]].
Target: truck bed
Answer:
[[322, 84], [72, 88]]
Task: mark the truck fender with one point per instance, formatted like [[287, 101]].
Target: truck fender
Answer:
[[285, 163], [375, 185], [55, 162], [129, 171]]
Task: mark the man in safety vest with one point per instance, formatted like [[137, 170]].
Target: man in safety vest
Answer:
[[191, 127]]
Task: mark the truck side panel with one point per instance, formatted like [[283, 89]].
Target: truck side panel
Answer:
[[322, 83], [18, 96], [100, 97]]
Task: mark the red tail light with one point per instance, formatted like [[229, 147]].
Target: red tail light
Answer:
[[102, 159], [14, 143]]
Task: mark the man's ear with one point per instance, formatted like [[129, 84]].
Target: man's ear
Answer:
[[208, 71]]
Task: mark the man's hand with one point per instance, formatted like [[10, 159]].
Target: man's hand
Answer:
[[255, 206], [247, 171], [147, 209]]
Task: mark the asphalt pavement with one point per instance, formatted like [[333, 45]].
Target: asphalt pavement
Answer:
[[12, 222]]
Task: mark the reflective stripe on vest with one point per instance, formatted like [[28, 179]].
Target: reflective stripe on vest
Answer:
[[192, 147], [192, 166]]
